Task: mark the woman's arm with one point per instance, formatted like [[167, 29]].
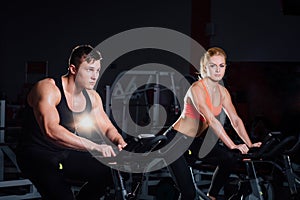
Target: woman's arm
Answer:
[[199, 103], [235, 120]]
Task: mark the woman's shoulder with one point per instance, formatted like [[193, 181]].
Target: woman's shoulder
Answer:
[[197, 87], [222, 88], [224, 92], [198, 83]]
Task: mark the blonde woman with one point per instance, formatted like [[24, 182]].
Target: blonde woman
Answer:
[[203, 103]]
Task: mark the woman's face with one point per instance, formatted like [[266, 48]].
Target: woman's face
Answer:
[[216, 67]]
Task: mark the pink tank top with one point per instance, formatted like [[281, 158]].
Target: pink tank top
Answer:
[[191, 112]]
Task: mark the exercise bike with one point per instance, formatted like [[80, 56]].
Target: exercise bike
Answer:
[[143, 143], [284, 176], [274, 152]]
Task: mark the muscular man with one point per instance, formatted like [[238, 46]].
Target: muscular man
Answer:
[[54, 149]]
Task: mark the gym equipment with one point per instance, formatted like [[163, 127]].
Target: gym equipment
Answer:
[[131, 90], [275, 151], [142, 144], [256, 177], [5, 150]]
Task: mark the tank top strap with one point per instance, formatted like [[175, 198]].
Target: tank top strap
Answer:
[[204, 86], [208, 101], [88, 107], [58, 83]]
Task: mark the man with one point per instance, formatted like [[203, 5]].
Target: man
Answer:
[[54, 148]]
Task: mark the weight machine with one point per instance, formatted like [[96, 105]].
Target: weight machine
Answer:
[[134, 85], [6, 151]]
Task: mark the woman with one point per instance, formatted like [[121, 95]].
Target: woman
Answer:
[[203, 102]]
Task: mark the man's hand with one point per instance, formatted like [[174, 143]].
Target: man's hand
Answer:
[[121, 145], [242, 148], [105, 150]]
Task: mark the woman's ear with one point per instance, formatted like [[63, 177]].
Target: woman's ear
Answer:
[[205, 69], [72, 69]]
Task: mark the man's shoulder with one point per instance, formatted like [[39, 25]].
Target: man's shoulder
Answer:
[[94, 97], [46, 85], [46, 81], [93, 93], [44, 90]]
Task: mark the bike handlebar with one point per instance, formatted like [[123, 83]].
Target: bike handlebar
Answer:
[[294, 148], [279, 148], [138, 144], [271, 147]]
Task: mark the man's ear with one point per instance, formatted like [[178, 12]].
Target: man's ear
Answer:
[[72, 69]]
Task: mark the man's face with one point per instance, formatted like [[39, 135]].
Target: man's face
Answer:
[[87, 74]]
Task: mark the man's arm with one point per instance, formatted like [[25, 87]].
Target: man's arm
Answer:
[[43, 98], [103, 122]]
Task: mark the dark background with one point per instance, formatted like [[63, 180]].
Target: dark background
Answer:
[[261, 39]]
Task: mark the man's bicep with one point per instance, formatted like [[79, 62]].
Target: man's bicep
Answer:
[[46, 115], [102, 120], [45, 98]]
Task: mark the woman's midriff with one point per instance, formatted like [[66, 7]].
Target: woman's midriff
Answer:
[[190, 127]]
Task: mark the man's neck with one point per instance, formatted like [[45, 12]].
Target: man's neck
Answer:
[[70, 86], [74, 96]]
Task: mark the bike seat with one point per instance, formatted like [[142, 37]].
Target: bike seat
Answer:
[[145, 143]]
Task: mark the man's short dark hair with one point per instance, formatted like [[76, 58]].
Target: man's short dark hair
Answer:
[[83, 53]]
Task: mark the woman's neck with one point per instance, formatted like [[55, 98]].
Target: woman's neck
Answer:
[[211, 85]]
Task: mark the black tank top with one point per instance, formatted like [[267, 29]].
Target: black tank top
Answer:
[[33, 136]]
